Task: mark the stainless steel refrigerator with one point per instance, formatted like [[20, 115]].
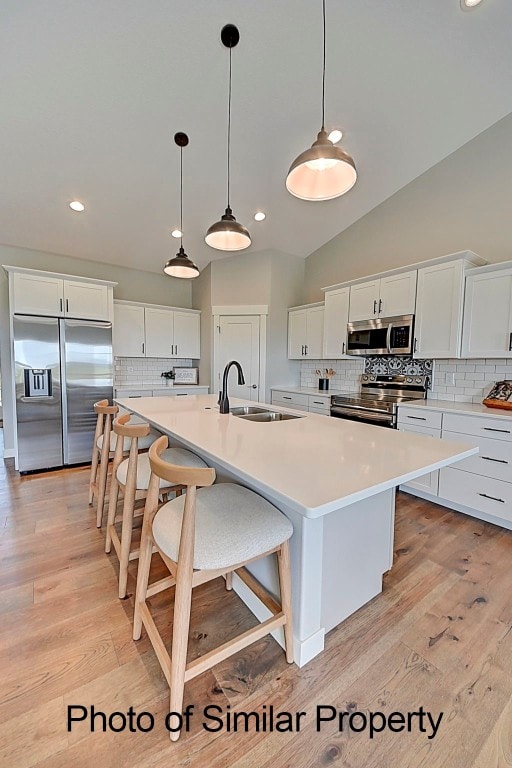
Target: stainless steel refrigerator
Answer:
[[62, 367]]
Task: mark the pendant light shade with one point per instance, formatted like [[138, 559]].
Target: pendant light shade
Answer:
[[323, 171], [228, 234], [181, 265]]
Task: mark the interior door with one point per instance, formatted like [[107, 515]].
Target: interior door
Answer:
[[238, 338]]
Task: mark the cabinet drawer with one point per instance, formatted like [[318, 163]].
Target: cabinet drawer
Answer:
[[321, 411], [484, 426], [494, 459], [319, 401], [289, 398], [483, 494], [419, 416]]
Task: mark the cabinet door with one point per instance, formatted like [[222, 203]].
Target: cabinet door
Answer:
[[439, 304], [187, 329], [428, 483], [159, 332], [398, 294], [128, 331], [297, 334], [38, 295], [315, 333], [364, 300], [488, 315], [335, 324], [86, 300]]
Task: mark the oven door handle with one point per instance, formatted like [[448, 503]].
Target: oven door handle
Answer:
[[374, 415], [388, 339]]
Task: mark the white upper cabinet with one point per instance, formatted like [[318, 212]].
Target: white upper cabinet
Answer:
[[335, 323], [150, 331], [90, 301], [398, 294], [187, 335], [128, 337], [37, 294], [305, 333], [439, 307], [364, 300], [159, 332], [46, 294], [488, 314], [384, 297]]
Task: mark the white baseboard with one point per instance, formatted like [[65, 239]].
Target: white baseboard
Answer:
[[303, 650]]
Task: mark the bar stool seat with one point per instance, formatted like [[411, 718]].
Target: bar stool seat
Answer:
[[233, 525], [172, 455]]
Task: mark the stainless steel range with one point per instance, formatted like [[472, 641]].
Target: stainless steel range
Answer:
[[379, 398]]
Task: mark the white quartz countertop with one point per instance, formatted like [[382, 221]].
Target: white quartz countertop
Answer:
[[470, 409], [311, 391], [313, 464], [157, 385]]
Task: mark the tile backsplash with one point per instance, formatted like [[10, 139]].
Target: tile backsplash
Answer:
[[144, 371], [347, 376], [467, 381]]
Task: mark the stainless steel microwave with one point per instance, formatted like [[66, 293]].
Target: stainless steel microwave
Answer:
[[382, 336]]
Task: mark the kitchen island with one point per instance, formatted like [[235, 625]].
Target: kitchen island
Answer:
[[334, 479]]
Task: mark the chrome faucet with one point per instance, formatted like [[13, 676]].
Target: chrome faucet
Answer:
[[223, 394]]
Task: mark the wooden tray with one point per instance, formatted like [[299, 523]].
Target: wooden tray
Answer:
[[503, 404]]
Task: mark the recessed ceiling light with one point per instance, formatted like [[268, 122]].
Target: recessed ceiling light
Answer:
[[177, 233], [335, 136], [259, 215], [468, 5], [76, 205]]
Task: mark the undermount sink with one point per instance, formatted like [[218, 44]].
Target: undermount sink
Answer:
[[269, 416], [246, 410]]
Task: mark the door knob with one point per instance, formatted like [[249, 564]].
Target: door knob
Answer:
[[254, 386]]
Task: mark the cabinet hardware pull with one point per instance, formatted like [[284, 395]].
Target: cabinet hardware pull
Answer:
[[318, 402], [302, 348], [493, 498], [493, 429], [143, 348], [67, 305], [418, 418], [380, 306], [499, 461], [343, 349], [306, 348], [60, 304], [286, 398], [176, 349], [374, 306], [415, 348], [510, 342]]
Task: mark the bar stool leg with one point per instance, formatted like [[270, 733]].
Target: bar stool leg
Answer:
[[229, 581], [285, 582], [114, 494], [146, 551], [102, 485], [127, 526]]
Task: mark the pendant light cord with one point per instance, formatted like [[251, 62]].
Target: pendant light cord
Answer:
[[181, 196], [229, 126], [323, 72]]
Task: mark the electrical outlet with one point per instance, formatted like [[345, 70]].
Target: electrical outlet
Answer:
[[450, 378]]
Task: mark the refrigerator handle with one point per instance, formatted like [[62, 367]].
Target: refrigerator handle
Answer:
[[63, 392]]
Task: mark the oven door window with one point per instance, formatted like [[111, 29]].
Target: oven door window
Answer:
[[369, 339]]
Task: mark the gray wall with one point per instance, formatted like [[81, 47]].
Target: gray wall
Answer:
[[268, 277], [461, 203], [133, 285]]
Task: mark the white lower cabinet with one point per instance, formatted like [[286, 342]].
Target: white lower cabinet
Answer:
[[301, 401], [480, 485], [428, 483]]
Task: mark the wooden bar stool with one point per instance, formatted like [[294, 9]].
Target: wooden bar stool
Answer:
[[204, 534], [101, 454], [131, 476]]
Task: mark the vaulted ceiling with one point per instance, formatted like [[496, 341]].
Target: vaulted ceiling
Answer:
[[93, 92]]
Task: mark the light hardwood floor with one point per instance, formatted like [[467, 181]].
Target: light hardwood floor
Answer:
[[438, 637]]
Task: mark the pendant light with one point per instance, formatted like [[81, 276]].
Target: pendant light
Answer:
[[324, 171], [181, 265], [228, 234]]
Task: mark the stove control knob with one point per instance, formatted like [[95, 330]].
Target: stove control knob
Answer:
[[409, 380], [372, 378], [364, 377], [418, 379]]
